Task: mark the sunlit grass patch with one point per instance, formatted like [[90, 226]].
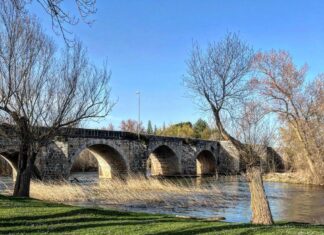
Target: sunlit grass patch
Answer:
[[27, 216]]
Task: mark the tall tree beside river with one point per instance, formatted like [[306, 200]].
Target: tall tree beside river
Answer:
[[43, 88], [218, 79], [297, 103]]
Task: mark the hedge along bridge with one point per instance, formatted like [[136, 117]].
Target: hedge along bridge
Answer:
[[122, 153]]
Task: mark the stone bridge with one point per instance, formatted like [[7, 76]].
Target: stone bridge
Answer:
[[123, 153]]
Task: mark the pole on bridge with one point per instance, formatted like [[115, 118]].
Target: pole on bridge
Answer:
[[139, 114]]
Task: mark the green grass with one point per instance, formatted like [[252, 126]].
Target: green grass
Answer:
[[26, 216]]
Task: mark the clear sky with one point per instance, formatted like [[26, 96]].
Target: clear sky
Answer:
[[147, 42]]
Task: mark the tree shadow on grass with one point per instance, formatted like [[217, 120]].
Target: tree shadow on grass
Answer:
[[191, 229], [66, 228], [230, 228], [75, 219], [81, 216], [93, 219], [69, 213], [28, 202]]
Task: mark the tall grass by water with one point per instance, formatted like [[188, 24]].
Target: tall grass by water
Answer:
[[133, 191]]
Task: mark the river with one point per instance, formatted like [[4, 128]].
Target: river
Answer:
[[288, 202]]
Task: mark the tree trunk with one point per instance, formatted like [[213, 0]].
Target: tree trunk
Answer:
[[308, 154], [261, 213], [26, 160], [24, 172], [224, 133]]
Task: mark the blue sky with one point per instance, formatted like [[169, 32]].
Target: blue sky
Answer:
[[147, 42]]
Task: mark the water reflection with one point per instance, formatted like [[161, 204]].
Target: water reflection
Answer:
[[288, 202], [294, 202], [6, 184]]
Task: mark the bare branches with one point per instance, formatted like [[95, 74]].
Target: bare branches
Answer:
[[42, 88], [219, 78], [60, 17], [20, 64], [52, 90], [218, 75], [299, 105]]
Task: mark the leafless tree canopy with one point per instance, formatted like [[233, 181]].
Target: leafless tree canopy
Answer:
[[253, 125], [219, 78], [60, 16], [218, 74], [297, 103], [131, 126], [40, 87], [52, 89]]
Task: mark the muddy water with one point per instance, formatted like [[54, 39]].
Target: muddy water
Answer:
[[288, 202]]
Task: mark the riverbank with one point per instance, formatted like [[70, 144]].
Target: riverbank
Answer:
[[289, 177], [27, 216], [194, 197]]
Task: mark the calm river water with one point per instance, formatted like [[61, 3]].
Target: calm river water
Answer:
[[288, 202]]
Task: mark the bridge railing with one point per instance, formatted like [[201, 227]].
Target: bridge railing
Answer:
[[94, 133], [105, 134]]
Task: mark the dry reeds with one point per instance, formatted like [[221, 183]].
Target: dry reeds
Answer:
[[134, 190]]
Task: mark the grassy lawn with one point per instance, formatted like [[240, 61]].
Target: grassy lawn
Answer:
[[25, 216]]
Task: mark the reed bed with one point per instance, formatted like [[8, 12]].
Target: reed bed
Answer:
[[133, 191]]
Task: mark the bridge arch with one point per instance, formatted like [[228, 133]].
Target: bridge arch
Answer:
[[110, 161], [205, 163], [163, 161], [12, 160]]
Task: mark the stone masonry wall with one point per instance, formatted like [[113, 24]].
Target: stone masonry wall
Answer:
[[55, 161]]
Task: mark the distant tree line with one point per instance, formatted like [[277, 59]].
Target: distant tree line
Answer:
[[200, 129]]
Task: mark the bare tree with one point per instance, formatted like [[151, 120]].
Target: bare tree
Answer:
[[60, 16], [42, 91], [219, 80], [252, 129], [110, 127], [131, 126], [298, 104]]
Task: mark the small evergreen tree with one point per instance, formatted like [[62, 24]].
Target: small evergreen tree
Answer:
[[149, 128], [200, 128]]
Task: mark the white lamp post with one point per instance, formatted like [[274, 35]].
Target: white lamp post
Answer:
[[139, 113]]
